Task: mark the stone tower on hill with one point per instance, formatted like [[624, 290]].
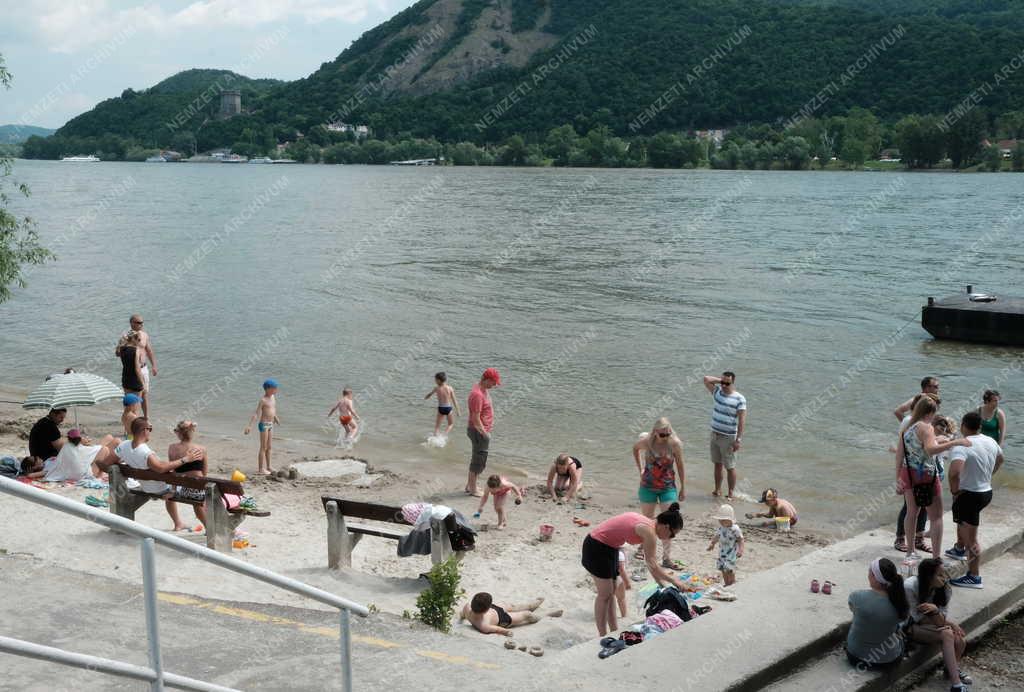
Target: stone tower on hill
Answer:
[[230, 104]]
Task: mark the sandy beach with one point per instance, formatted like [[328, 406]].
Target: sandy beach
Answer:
[[513, 564]]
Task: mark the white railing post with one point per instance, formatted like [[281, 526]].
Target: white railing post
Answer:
[[346, 652], [152, 625]]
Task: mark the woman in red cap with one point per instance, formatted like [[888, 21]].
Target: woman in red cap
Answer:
[[481, 420]]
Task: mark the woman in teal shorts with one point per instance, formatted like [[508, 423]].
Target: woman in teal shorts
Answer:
[[659, 459]]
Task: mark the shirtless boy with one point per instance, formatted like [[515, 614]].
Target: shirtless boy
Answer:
[[565, 478], [777, 507], [266, 414], [346, 408], [488, 618], [446, 401], [132, 410]]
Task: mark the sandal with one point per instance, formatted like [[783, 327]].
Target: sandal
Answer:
[[826, 588], [536, 651], [921, 545], [900, 545], [815, 587], [639, 554], [613, 647], [677, 565]]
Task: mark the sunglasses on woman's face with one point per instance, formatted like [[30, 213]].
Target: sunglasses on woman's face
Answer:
[[664, 434]]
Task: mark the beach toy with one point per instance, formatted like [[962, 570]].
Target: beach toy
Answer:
[[826, 588], [240, 543], [238, 476], [546, 531], [476, 515], [782, 523], [909, 566], [815, 587]]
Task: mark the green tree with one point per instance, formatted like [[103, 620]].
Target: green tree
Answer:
[[19, 244], [862, 125], [1018, 157], [766, 155], [514, 152], [963, 138], [921, 140], [749, 155], [993, 158], [795, 153], [184, 143], [1012, 124], [854, 153], [727, 157], [560, 143]]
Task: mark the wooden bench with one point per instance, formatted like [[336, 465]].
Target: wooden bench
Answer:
[[221, 522], [342, 535]]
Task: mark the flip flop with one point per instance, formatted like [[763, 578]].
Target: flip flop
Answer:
[[536, 651], [510, 644], [614, 647], [93, 501], [580, 522]]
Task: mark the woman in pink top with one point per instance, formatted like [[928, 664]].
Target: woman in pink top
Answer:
[[601, 555]]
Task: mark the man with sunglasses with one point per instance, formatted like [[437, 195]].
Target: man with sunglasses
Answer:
[[137, 454], [135, 322], [728, 418]]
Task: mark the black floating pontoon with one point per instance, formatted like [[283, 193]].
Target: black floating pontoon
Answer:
[[980, 317]]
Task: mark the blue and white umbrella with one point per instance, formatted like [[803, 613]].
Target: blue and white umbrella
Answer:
[[73, 389]]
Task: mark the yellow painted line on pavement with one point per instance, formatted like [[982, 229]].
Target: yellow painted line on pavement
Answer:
[[329, 632]]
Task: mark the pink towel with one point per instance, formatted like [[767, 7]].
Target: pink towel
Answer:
[[665, 620]]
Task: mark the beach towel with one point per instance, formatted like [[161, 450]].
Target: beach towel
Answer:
[[73, 463], [665, 620]]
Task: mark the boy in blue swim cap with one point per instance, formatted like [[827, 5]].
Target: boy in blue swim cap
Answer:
[[266, 415]]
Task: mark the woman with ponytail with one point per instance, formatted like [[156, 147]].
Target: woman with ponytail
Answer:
[[928, 596], [601, 556], [875, 639]]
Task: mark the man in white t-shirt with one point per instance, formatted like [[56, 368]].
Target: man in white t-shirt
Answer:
[[137, 454], [970, 481]]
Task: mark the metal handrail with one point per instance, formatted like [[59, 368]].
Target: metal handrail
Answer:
[[149, 536]]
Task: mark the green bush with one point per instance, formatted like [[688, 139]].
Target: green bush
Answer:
[[436, 605]]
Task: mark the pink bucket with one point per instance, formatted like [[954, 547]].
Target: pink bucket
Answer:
[[546, 531]]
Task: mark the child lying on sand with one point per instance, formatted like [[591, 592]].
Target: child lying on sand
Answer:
[[777, 507], [489, 618]]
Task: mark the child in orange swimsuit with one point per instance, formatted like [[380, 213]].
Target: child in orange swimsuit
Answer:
[[499, 487], [346, 409]]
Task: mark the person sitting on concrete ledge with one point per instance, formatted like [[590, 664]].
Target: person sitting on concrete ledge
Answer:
[[928, 595], [874, 640], [490, 618]]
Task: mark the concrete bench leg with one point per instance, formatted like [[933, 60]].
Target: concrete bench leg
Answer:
[[440, 544], [123, 502], [339, 541], [220, 526]]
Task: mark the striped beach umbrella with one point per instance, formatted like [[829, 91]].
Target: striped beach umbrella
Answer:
[[72, 389]]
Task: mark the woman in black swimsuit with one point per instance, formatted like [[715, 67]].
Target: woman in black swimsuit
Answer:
[[185, 430], [131, 363], [565, 478]]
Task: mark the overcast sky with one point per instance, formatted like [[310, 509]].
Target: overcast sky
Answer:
[[68, 55]]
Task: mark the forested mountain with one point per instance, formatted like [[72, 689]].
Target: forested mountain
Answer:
[[15, 134], [446, 68]]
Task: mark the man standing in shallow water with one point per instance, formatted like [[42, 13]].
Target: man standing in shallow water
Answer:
[[728, 418], [481, 420], [148, 362]]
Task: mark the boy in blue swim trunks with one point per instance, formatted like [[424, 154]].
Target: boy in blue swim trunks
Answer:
[[266, 414], [446, 401]]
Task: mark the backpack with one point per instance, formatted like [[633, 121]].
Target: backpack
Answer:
[[668, 598]]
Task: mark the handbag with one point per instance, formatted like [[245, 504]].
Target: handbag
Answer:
[[924, 493]]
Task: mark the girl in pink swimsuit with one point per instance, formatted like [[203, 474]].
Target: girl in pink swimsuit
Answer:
[[499, 487]]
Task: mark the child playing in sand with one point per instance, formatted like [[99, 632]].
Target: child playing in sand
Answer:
[[445, 402], [489, 618], [132, 410], [266, 414], [565, 478], [730, 543], [777, 507], [499, 487], [346, 408], [622, 585]]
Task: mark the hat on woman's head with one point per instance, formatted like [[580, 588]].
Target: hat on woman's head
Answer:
[[725, 512]]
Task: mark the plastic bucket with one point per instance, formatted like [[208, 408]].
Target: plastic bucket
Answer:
[[782, 523], [546, 531]]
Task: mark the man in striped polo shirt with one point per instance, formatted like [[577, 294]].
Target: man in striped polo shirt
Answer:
[[728, 419]]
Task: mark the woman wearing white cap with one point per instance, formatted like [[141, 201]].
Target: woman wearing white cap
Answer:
[[874, 639]]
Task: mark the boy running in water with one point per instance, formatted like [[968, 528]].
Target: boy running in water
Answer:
[[446, 401], [346, 408]]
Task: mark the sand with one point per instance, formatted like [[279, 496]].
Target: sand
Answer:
[[513, 564]]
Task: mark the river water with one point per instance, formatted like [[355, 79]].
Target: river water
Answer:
[[600, 295]]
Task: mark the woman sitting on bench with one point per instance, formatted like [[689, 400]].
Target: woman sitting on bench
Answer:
[[137, 454], [185, 430]]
